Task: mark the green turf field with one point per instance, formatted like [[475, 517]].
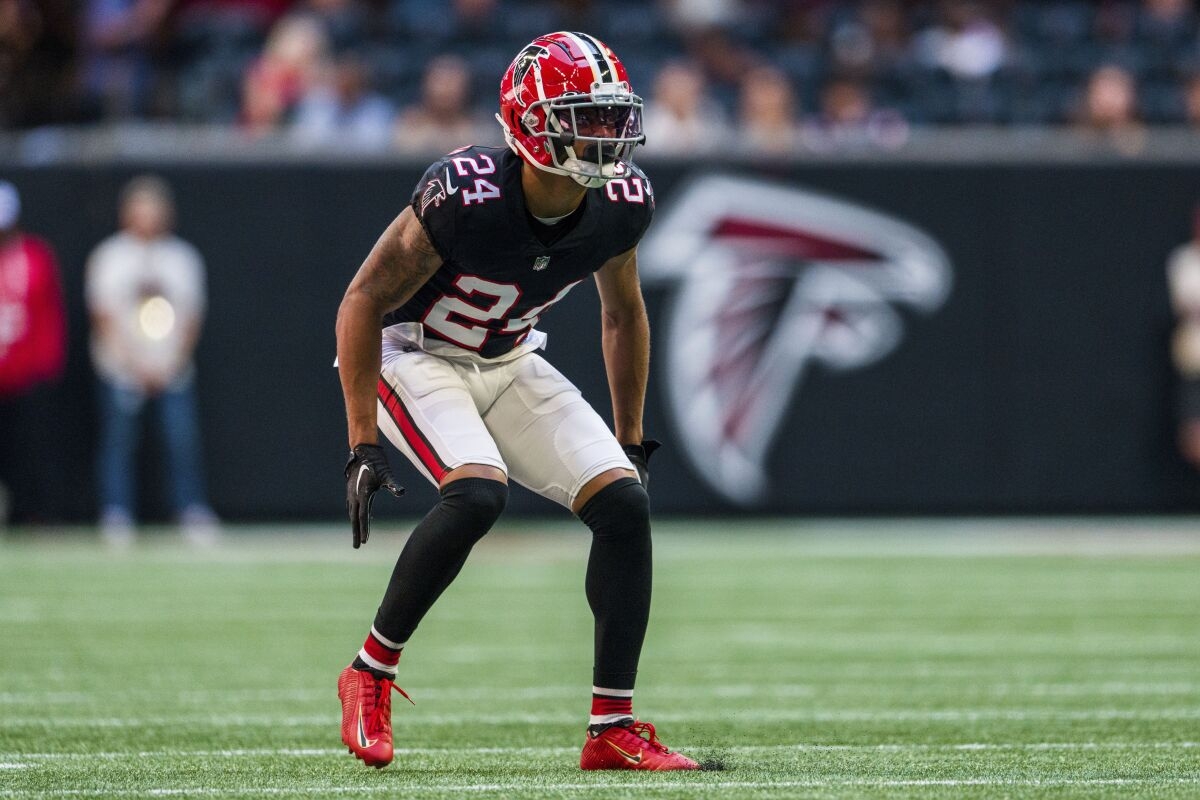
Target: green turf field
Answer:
[[872, 659]]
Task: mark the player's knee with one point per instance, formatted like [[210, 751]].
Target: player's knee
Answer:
[[479, 500], [620, 509]]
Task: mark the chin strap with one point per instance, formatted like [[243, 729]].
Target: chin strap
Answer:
[[575, 168]]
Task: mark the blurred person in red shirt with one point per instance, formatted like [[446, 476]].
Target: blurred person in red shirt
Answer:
[[33, 351], [294, 60]]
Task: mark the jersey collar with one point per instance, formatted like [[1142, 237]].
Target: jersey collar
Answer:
[[520, 216]]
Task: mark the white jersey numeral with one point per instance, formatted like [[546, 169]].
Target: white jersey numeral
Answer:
[[450, 317], [483, 191], [441, 316], [632, 190], [531, 317], [481, 164]]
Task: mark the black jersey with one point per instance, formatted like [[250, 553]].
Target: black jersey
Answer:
[[497, 276]]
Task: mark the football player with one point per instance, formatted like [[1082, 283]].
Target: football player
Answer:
[[437, 347]]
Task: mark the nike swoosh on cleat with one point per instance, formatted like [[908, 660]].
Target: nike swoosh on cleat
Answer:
[[450, 187], [632, 759], [363, 741], [358, 483]]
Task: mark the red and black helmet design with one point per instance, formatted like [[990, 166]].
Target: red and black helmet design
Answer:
[[566, 107]]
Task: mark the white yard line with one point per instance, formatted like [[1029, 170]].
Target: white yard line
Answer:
[[297, 752], [741, 715], [799, 689], [641, 786]]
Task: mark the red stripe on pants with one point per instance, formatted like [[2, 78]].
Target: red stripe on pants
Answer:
[[408, 429]]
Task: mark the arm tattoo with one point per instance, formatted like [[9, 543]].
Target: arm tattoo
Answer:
[[401, 261]]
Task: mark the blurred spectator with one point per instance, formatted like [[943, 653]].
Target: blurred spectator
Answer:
[[20, 28], [698, 15], [441, 120], [1167, 22], [293, 61], [872, 41], [1183, 280], [119, 37], [680, 116], [259, 15], [344, 111], [37, 49], [965, 42], [1114, 24], [475, 20], [767, 112], [145, 292], [1191, 101], [849, 120], [951, 61], [33, 351], [1109, 112], [346, 22], [464, 22], [723, 60]]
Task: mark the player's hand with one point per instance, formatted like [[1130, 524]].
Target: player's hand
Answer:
[[367, 472], [640, 454]]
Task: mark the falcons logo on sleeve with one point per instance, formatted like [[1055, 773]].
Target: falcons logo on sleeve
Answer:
[[772, 280], [435, 193]]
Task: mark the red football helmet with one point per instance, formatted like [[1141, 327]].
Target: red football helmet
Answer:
[[565, 89]]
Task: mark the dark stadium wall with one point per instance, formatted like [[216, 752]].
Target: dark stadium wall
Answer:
[[1040, 383]]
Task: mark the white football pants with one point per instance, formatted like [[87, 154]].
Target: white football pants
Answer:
[[443, 407]]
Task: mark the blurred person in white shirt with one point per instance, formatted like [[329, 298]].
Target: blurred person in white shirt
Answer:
[[683, 117], [344, 112], [145, 293], [443, 118], [1183, 280], [848, 119], [767, 108], [1108, 112], [965, 41]]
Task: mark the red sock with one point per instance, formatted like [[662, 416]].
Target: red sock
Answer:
[[380, 653], [610, 705]]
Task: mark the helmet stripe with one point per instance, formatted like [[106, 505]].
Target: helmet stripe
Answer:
[[590, 52], [608, 69], [537, 78]]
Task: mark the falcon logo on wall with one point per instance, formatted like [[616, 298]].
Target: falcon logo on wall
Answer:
[[772, 280]]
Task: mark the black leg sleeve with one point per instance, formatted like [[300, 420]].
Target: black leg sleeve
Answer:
[[618, 579], [436, 551]]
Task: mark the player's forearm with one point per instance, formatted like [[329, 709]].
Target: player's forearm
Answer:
[[626, 344], [359, 344], [399, 263]]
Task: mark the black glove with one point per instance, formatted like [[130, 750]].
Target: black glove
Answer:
[[366, 472], [639, 454]]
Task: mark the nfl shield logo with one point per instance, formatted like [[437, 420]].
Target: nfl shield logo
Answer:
[[540, 263]]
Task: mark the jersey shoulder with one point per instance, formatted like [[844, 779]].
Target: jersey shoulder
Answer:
[[447, 176], [450, 198], [629, 202]]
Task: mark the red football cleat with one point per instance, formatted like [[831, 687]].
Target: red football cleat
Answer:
[[367, 715], [635, 747]]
